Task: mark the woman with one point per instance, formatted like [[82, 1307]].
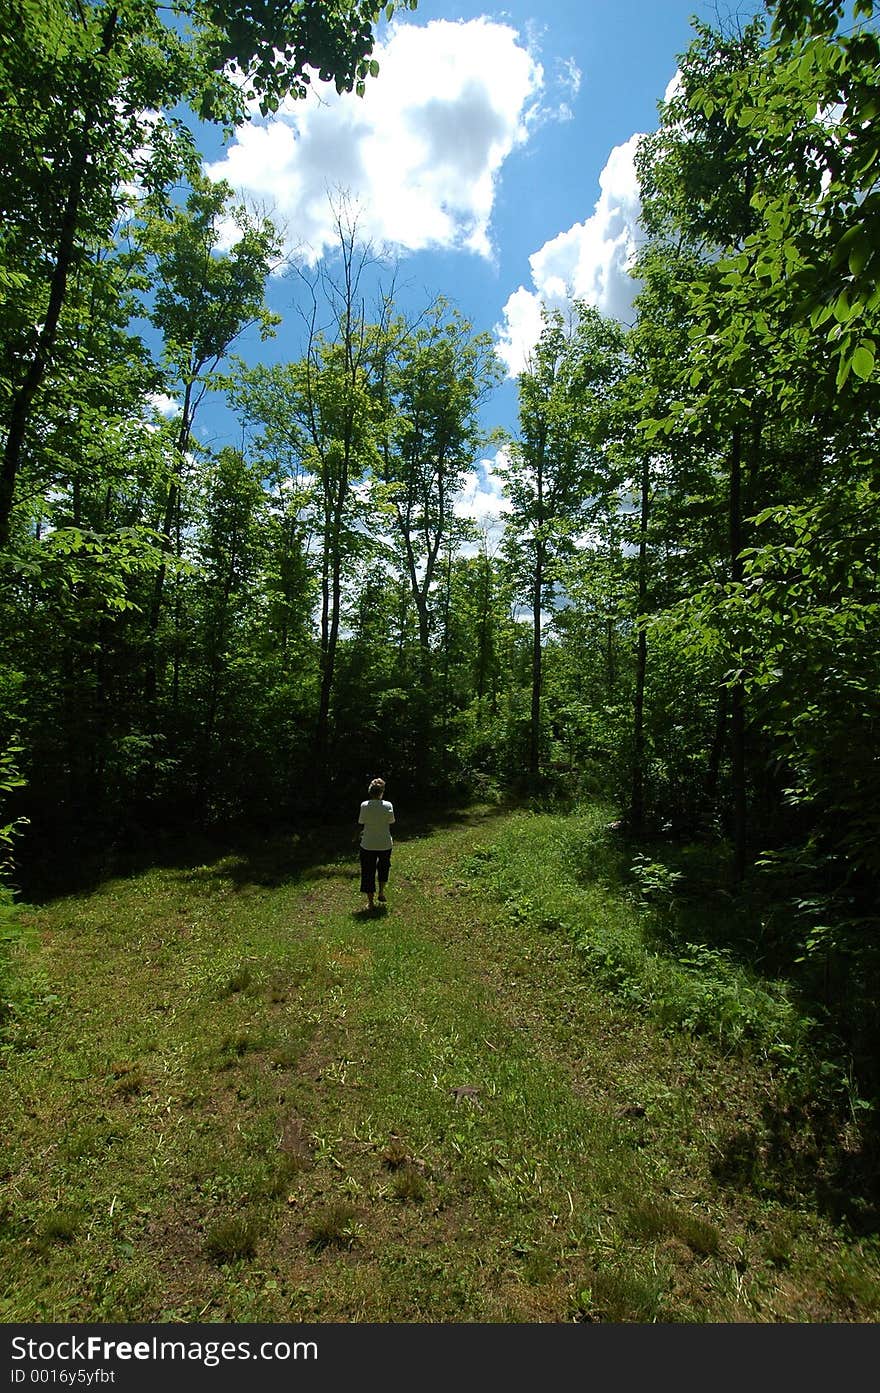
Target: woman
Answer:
[[375, 819]]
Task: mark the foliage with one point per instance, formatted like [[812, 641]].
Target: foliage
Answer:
[[433, 380], [809, 602], [560, 873], [556, 471], [826, 84]]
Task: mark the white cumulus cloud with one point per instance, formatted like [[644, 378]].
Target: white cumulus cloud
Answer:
[[590, 261], [482, 500], [673, 86], [418, 156], [163, 404]]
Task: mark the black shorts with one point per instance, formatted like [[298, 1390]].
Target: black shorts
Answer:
[[371, 862]]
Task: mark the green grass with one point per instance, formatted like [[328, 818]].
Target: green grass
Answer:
[[567, 875], [250, 1101]]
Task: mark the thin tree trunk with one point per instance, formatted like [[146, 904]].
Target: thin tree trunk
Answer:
[[330, 624], [537, 597], [483, 644], [178, 614], [637, 795], [446, 610], [535, 723], [737, 694], [610, 664], [23, 398], [217, 669], [170, 529], [713, 767]]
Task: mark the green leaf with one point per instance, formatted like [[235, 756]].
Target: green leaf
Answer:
[[858, 256], [843, 310], [863, 360]]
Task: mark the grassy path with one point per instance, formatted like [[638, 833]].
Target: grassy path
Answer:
[[249, 1101]]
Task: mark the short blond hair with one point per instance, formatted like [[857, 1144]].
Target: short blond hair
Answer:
[[377, 788]]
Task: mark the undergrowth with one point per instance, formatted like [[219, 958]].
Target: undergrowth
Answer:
[[569, 874]]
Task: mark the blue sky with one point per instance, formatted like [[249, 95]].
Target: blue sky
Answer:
[[492, 158]]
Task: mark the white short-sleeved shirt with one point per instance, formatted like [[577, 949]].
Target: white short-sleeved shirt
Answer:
[[376, 817]]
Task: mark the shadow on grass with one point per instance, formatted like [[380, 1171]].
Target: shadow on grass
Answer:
[[822, 1136], [242, 855], [788, 1153], [366, 914], [704, 905]]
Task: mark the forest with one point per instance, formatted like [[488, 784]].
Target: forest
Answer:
[[681, 619]]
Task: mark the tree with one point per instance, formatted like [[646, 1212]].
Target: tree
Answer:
[[822, 107], [757, 380], [67, 141], [438, 376], [699, 174], [86, 94], [202, 302], [320, 420], [228, 560], [554, 471]]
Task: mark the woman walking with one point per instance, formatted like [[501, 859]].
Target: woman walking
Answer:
[[375, 818]]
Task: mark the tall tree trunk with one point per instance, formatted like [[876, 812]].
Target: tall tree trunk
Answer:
[[217, 670], [610, 662], [447, 603], [713, 767], [483, 640], [420, 590], [23, 397], [535, 722], [537, 598], [424, 617], [330, 627], [178, 615], [737, 694], [170, 529], [637, 794]]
